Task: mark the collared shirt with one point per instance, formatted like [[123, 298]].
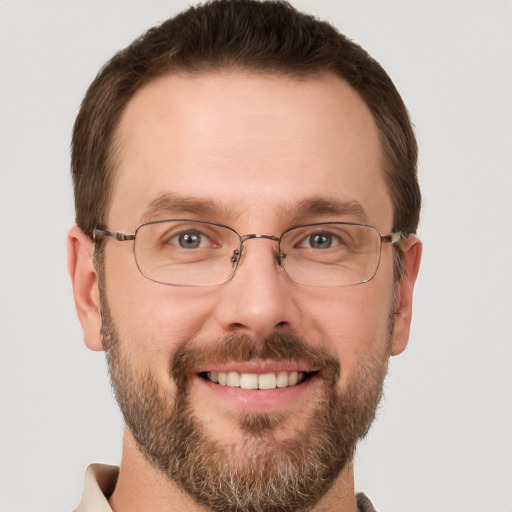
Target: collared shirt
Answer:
[[100, 482]]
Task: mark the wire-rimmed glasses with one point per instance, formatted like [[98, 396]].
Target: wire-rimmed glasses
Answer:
[[184, 252]]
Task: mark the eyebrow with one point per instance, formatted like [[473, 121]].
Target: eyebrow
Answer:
[[172, 204], [328, 206]]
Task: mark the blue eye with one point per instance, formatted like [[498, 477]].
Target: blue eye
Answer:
[[190, 240], [320, 241]]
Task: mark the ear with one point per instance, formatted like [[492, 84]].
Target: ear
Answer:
[[411, 256], [85, 286]]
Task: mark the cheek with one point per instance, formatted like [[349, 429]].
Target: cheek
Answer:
[[355, 324], [153, 320]]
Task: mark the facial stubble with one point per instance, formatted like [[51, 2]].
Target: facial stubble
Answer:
[[262, 473]]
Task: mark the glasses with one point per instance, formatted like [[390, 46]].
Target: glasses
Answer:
[[183, 252]]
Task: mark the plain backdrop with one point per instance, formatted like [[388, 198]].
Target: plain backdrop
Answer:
[[443, 437]]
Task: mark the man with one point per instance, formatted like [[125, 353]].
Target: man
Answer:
[[246, 197]]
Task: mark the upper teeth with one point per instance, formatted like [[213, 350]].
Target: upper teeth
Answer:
[[255, 380]]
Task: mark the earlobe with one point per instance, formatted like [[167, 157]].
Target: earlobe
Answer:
[[84, 280], [412, 250]]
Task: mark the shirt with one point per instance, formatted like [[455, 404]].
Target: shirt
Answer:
[[101, 479]]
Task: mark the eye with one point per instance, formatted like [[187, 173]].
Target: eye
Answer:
[[321, 240], [191, 239]]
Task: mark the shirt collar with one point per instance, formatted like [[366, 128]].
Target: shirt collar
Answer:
[[100, 481]]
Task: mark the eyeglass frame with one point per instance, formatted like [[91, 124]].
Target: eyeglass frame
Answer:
[[392, 238]]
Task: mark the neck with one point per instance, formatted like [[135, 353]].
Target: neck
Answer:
[[142, 487]]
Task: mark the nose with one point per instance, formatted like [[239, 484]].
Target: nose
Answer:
[[260, 298]]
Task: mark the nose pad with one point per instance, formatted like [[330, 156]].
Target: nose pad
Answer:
[[236, 258], [237, 255]]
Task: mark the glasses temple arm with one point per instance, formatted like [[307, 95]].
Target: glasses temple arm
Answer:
[[116, 235]]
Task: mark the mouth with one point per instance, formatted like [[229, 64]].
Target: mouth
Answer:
[[257, 385], [262, 381]]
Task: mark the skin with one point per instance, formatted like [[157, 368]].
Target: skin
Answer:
[[254, 146]]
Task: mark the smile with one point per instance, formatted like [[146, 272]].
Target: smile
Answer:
[[271, 380]]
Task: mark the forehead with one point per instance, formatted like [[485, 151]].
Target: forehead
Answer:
[[246, 146]]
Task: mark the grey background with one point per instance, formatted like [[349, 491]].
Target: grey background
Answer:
[[443, 438]]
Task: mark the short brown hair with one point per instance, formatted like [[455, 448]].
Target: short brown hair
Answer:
[[264, 37]]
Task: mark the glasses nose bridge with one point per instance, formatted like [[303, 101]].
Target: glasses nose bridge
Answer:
[[252, 236], [258, 235]]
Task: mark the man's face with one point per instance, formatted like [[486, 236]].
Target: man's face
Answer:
[[259, 154]]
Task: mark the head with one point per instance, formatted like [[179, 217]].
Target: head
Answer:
[[255, 116]]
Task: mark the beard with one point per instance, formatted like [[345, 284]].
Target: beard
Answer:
[[262, 473]]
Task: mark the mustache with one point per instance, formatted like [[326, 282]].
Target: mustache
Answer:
[[242, 348]]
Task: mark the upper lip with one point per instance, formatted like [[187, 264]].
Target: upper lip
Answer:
[[257, 367]]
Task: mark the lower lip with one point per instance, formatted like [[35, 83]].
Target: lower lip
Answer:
[[257, 399]]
